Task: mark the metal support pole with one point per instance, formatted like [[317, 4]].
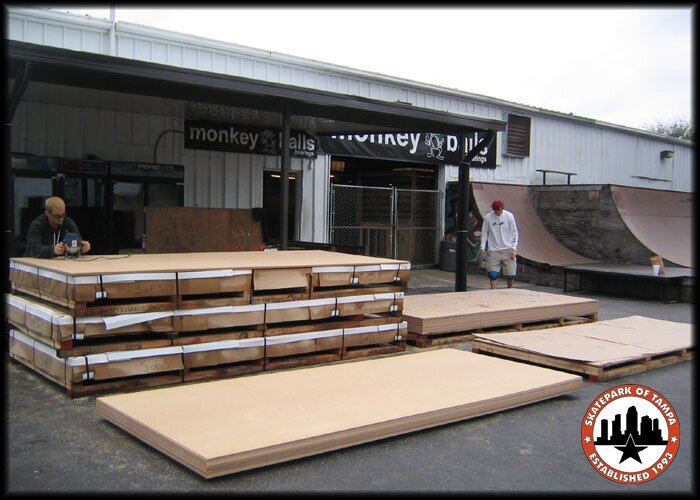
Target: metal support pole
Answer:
[[21, 81], [286, 160], [8, 219], [112, 30], [463, 215]]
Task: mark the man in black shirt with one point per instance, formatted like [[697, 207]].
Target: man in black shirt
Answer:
[[46, 232]]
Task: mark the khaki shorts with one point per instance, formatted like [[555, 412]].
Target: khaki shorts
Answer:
[[495, 259]]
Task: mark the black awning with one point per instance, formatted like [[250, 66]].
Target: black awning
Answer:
[[326, 112]]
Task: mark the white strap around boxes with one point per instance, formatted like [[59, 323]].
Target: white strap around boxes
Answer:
[[224, 344], [112, 322], [298, 337], [128, 355], [219, 310]]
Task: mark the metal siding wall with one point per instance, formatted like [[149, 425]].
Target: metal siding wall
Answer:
[[599, 157], [313, 217]]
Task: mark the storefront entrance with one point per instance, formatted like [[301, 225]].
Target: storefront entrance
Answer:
[[390, 208]]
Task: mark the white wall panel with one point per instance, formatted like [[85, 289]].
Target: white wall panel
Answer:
[[175, 55], [159, 53], [285, 75], [190, 58], [247, 67], [126, 47], [313, 215], [74, 39], [54, 36]]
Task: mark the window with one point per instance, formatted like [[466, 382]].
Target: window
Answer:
[[518, 141]]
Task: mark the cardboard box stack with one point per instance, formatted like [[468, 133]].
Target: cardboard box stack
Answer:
[[103, 323]]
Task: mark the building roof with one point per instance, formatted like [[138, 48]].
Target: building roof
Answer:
[[315, 111]]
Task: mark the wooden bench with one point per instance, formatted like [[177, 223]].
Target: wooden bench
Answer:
[[547, 171]]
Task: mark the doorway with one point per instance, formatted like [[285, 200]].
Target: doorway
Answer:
[[272, 204], [390, 208]]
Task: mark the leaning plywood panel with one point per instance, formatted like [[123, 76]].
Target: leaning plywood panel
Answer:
[[226, 426], [663, 221], [463, 311]]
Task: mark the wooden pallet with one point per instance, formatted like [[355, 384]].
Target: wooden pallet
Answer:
[[118, 344], [189, 338], [213, 300], [223, 358], [116, 307], [332, 323], [355, 352], [223, 371], [303, 359], [57, 326], [589, 371], [126, 374], [127, 384], [437, 339], [346, 291], [75, 389]]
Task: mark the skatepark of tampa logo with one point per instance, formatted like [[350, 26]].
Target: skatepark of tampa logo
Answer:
[[630, 434]]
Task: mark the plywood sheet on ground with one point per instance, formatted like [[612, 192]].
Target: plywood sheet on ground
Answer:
[[225, 426], [204, 261], [463, 311], [601, 343]]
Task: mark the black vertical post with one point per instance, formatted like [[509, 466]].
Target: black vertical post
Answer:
[[108, 204], [8, 221], [14, 96], [462, 217], [285, 159]]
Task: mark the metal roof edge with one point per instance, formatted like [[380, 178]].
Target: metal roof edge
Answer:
[[62, 17], [136, 68]]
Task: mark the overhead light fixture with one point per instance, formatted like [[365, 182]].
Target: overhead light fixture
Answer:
[[666, 153]]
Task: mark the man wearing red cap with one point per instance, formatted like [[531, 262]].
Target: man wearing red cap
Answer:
[[499, 243]]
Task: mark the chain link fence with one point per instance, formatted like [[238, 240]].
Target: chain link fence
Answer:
[[387, 222], [417, 229]]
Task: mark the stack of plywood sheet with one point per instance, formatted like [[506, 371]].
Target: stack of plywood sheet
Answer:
[[225, 426], [149, 319], [601, 350], [454, 317]]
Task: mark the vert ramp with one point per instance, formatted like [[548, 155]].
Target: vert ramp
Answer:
[[536, 244], [661, 220]]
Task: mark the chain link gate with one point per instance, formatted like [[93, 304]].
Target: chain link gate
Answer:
[[387, 222]]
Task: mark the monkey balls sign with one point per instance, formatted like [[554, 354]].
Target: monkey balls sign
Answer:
[[630, 434]]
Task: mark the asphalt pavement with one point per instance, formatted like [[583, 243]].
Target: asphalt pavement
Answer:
[[59, 445]]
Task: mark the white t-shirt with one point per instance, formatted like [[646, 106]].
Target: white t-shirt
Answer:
[[501, 233]]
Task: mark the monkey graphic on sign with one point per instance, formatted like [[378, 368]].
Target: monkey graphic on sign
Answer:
[[435, 143]]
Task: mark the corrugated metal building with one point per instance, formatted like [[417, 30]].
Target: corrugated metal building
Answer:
[[64, 121]]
